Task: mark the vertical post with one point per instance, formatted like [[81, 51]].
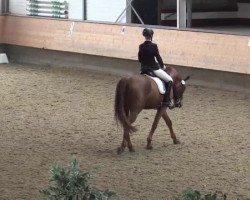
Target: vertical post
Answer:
[[6, 6], [181, 13], [189, 13], [160, 3], [128, 13], [1, 3], [84, 9], [2, 6]]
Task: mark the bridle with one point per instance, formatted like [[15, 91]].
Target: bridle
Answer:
[[178, 95]]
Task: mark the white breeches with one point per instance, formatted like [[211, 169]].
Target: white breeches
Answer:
[[163, 75]]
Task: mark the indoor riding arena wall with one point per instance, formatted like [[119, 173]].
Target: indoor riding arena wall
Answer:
[[214, 59], [52, 110]]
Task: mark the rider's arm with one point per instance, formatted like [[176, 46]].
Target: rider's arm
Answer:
[[140, 54], [158, 57]]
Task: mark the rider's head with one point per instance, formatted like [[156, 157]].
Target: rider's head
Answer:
[[148, 33]]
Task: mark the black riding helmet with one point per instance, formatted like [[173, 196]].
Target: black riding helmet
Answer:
[[148, 32]]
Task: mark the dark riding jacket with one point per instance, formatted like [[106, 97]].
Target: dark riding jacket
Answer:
[[148, 51]]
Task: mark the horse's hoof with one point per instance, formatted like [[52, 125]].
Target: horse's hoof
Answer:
[[177, 141], [119, 150], [149, 144], [149, 147], [131, 149]]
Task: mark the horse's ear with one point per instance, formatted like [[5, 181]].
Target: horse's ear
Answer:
[[188, 77]]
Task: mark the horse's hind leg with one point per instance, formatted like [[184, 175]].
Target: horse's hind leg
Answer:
[[125, 133], [169, 124], [153, 128], [132, 117], [126, 142]]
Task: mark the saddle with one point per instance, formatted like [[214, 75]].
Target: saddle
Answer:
[[160, 84]]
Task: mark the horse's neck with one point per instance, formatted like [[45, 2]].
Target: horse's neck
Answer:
[[171, 71]]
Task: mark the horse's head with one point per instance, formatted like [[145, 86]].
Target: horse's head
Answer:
[[179, 85], [178, 90]]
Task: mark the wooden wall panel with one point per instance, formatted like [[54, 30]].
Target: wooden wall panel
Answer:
[[186, 48], [207, 50], [1, 28]]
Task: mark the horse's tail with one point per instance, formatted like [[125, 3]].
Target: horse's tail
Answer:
[[120, 114]]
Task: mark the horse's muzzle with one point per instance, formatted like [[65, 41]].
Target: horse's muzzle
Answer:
[[178, 103]]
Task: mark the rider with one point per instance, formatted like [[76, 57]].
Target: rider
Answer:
[[148, 51]]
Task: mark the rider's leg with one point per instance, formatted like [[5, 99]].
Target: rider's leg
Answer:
[[167, 102], [163, 75], [168, 80]]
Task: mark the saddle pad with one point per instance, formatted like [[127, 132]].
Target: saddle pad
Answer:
[[159, 83]]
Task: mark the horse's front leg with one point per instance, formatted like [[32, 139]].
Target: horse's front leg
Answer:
[[154, 126], [169, 124]]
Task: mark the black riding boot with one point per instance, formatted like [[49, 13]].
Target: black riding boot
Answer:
[[166, 99]]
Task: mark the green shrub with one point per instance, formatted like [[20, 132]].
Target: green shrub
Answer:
[[195, 195], [72, 184]]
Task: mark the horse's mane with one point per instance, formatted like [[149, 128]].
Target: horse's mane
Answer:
[[174, 74]]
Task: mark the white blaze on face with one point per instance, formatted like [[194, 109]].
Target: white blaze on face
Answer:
[[183, 82]]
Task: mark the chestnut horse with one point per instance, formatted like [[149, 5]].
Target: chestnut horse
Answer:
[[138, 92]]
